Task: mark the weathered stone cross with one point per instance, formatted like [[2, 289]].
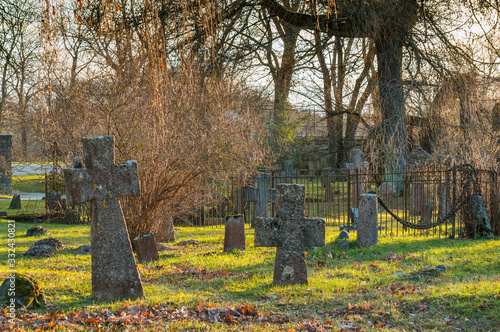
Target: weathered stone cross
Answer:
[[261, 195], [114, 272], [291, 233]]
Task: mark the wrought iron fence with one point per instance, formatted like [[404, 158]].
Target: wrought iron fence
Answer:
[[421, 196]]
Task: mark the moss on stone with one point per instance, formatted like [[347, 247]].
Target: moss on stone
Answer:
[[234, 216], [27, 292]]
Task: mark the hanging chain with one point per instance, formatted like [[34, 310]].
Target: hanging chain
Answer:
[[470, 176]]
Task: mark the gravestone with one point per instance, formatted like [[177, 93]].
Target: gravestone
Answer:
[[355, 167], [169, 231], [15, 204], [444, 198], [481, 219], [289, 173], [145, 248], [261, 195], [234, 235], [114, 271], [291, 233], [6, 164], [343, 240], [368, 221], [419, 206]]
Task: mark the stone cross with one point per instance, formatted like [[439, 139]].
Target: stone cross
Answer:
[[114, 271], [261, 195], [291, 233]]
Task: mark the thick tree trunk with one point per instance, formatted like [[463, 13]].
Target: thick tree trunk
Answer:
[[389, 51]]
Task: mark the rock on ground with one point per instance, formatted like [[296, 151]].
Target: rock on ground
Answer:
[[40, 251], [83, 250], [188, 242], [53, 242], [37, 231], [28, 293]]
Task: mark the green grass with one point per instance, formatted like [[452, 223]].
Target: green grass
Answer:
[[29, 183], [363, 287], [27, 206]]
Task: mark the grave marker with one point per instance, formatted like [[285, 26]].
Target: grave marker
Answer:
[[291, 233], [114, 271], [261, 195], [15, 204], [234, 233], [145, 248], [355, 167], [6, 164], [368, 221]]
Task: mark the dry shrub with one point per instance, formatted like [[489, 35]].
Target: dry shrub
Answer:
[[185, 125], [196, 131]]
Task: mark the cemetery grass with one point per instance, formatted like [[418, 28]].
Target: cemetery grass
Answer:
[[33, 183], [361, 289], [27, 206]]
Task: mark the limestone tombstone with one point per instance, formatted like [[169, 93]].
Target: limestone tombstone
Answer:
[[291, 233], [6, 164], [114, 271], [368, 221], [234, 235]]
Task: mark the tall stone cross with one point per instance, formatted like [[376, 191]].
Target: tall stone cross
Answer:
[[291, 233], [261, 195], [114, 271]]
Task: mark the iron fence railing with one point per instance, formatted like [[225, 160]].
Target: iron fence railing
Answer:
[[421, 196]]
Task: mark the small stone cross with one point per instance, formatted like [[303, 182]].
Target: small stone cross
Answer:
[[114, 271], [291, 233]]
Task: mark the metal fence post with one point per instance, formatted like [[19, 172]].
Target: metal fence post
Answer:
[[348, 200], [453, 218], [495, 223]]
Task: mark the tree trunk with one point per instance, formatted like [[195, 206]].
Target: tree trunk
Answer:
[[333, 122], [282, 84], [395, 137], [389, 51]]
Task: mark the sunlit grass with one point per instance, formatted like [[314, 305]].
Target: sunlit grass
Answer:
[[29, 183], [382, 278]]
